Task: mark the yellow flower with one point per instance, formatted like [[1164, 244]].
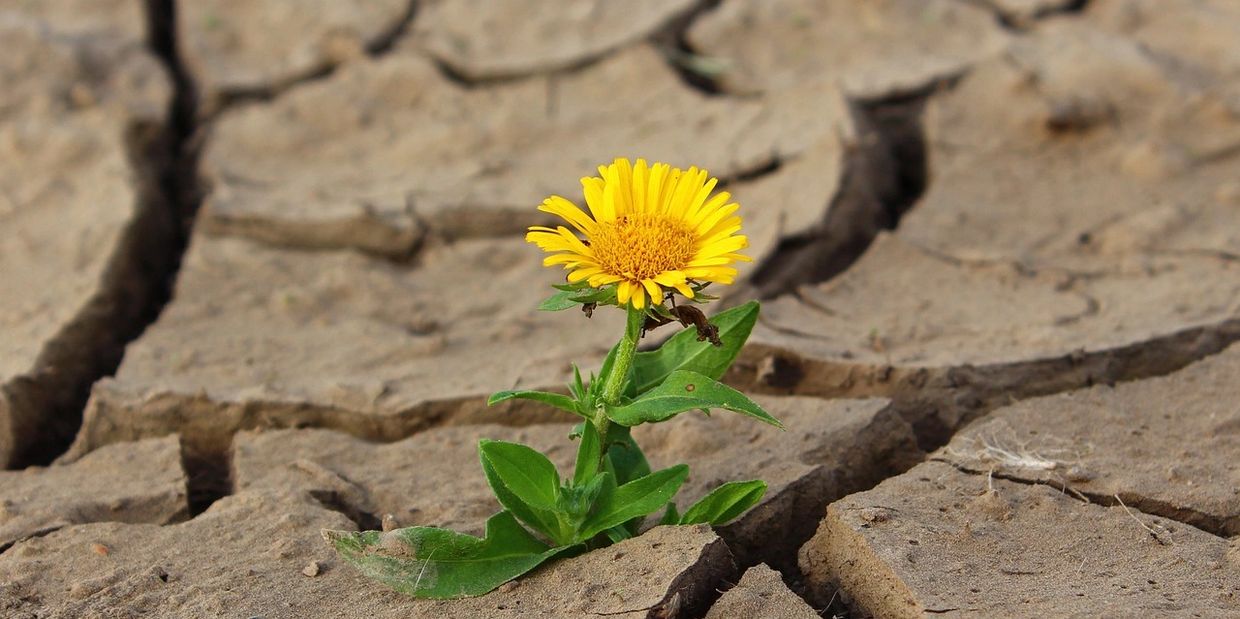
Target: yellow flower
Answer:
[[649, 228]]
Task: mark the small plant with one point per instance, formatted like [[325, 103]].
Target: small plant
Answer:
[[654, 232]]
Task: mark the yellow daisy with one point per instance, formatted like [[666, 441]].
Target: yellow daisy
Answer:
[[649, 228]]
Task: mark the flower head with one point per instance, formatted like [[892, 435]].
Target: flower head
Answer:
[[649, 228]]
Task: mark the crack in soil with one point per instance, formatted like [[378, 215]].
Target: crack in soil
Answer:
[[207, 428], [1219, 527], [139, 276], [40, 533], [208, 476], [673, 41], [337, 502], [380, 46], [939, 400], [46, 405], [884, 176], [1022, 24]]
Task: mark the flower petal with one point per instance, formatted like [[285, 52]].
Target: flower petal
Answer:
[[570, 213], [639, 296], [653, 191], [724, 246], [656, 293], [602, 279], [581, 274], [641, 176], [674, 279], [624, 291], [700, 197], [682, 197], [709, 220], [566, 259], [624, 176], [592, 188]]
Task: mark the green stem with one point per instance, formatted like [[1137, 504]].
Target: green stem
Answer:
[[624, 356], [615, 381]]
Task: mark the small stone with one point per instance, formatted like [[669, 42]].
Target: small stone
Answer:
[[389, 523], [761, 594], [100, 549], [875, 514], [1077, 473], [312, 569]]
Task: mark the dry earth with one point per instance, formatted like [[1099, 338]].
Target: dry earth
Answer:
[[261, 264]]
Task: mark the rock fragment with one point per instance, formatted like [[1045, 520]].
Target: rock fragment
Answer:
[[1168, 446], [425, 157], [761, 594], [871, 49], [958, 544], [1096, 149], [80, 213], [140, 482], [237, 48], [262, 337], [1014, 274], [1199, 35], [429, 479], [538, 37], [245, 557], [830, 448]]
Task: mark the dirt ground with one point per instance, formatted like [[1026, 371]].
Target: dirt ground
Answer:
[[261, 262]]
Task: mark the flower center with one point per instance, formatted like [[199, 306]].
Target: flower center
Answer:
[[641, 246]]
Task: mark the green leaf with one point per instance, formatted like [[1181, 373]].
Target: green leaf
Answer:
[[625, 461], [557, 400], [525, 471], [670, 516], [685, 391], [570, 295], [577, 387], [633, 500], [618, 534], [603, 296], [559, 301], [538, 486], [659, 311], [427, 562], [576, 501], [684, 352], [589, 452], [624, 456], [725, 503]]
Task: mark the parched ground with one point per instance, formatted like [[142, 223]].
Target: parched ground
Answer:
[[261, 263]]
